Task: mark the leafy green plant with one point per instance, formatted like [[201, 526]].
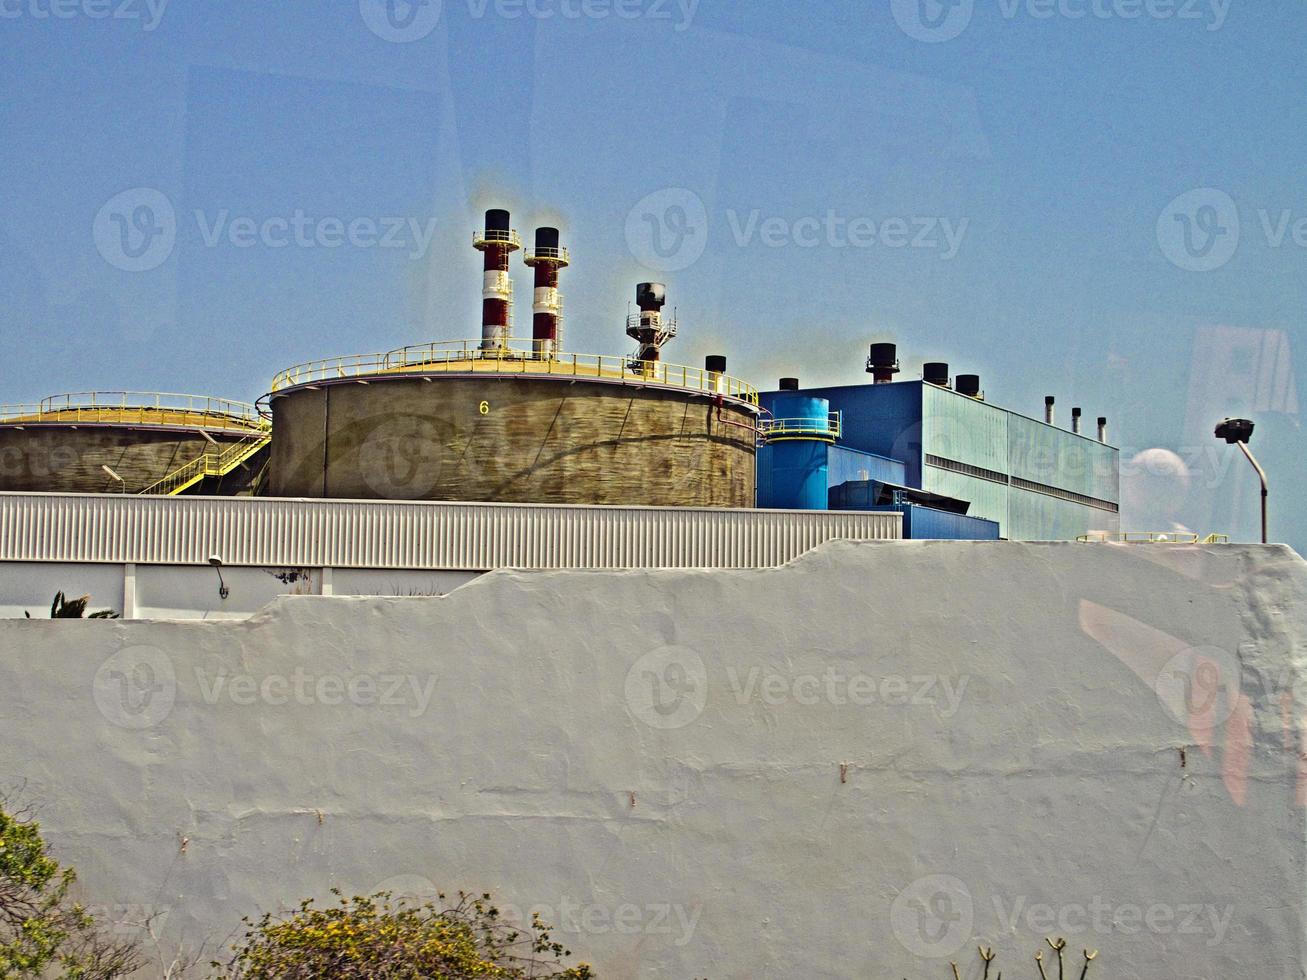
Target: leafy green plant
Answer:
[[43, 933], [378, 937]]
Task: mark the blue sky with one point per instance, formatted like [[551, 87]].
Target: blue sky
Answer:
[[1097, 199]]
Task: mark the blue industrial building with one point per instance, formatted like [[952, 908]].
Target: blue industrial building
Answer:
[[955, 465]]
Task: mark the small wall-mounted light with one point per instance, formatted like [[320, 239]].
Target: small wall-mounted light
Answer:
[[216, 562], [122, 484]]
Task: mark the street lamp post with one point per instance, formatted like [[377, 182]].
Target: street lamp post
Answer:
[[1237, 432]]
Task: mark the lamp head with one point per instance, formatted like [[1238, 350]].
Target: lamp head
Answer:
[[215, 561], [1234, 430]]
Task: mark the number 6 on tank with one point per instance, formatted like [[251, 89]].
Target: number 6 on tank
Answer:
[[485, 408]]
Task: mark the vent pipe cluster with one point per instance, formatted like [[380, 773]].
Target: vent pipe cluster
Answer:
[[1076, 414]]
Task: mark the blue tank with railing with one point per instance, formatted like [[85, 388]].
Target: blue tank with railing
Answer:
[[792, 463]]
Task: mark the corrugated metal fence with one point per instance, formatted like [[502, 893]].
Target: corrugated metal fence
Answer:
[[388, 534]]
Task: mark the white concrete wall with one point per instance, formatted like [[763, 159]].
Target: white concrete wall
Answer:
[[858, 765]]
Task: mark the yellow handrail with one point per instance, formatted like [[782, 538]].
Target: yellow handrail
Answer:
[[209, 464], [137, 408], [776, 430], [467, 356], [1152, 537]]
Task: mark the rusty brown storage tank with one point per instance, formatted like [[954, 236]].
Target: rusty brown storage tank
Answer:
[[453, 421], [131, 442]]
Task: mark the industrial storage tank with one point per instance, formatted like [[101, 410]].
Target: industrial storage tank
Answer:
[[131, 442], [794, 475], [504, 422], [501, 419]]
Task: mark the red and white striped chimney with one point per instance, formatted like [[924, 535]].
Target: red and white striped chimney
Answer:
[[498, 241], [547, 306]]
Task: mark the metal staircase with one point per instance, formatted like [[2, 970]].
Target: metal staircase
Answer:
[[210, 464]]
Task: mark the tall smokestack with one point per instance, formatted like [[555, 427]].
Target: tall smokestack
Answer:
[[1075, 420], [1102, 428], [648, 327], [882, 363], [1048, 409], [498, 241], [547, 306]]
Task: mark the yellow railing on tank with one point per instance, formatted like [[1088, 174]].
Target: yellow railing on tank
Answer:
[[1152, 537], [137, 408], [468, 357], [776, 430]]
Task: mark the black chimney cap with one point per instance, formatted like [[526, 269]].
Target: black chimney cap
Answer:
[[886, 354], [497, 219], [715, 363], [650, 295], [789, 384], [1102, 420], [967, 384], [1049, 399], [935, 372], [546, 238], [1076, 413]]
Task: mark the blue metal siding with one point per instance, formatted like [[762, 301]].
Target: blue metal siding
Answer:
[[880, 419], [792, 475], [844, 465], [908, 421], [928, 524], [988, 500], [963, 429]]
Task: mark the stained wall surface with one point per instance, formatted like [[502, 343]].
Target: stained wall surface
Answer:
[[71, 459], [861, 764], [509, 439]]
